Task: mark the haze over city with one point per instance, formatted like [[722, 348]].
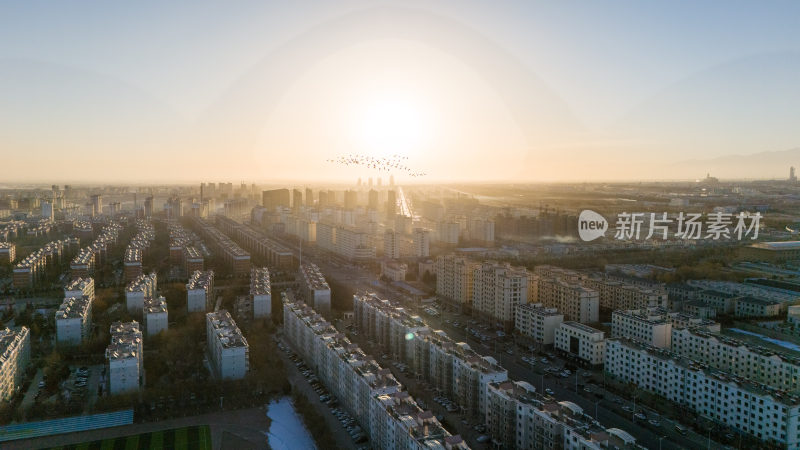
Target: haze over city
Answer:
[[384, 225], [520, 91]]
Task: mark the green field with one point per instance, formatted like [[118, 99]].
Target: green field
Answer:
[[197, 437]]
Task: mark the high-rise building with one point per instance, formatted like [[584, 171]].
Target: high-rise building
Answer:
[[97, 204], [372, 198], [391, 244], [422, 243], [391, 203], [350, 199], [275, 198], [199, 291], [260, 292], [297, 199], [309, 197], [454, 278], [497, 290]]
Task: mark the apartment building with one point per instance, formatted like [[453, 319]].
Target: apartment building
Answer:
[[392, 241], [520, 418], [74, 320], [124, 358], [141, 288], [683, 320], [538, 322], [228, 350], [793, 317], [314, 289], [454, 278], [8, 252], [722, 302], [421, 239], [576, 302], [276, 254], [82, 265], [616, 295], [15, 354], [32, 268], [651, 326], [394, 270], [192, 259], [497, 290], [80, 287], [199, 291], [453, 368], [752, 408], [155, 315], [369, 392], [739, 358], [260, 292], [352, 243], [236, 259], [758, 307], [582, 342]]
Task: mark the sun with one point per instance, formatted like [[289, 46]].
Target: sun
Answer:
[[393, 124]]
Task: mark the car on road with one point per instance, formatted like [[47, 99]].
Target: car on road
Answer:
[[549, 391], [655, 423], [640, 416], [627, 408], [482, 438]]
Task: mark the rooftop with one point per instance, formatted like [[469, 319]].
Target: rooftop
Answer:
[[73, 307], [225, 329]]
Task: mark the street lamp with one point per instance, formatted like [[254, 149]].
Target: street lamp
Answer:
[[659, 442]]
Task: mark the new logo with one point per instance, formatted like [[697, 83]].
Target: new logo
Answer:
[[591, 225]]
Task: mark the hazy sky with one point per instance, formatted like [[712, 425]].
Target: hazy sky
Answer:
[[524, 91]]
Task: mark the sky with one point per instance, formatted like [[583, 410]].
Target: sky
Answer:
[[468, 91]]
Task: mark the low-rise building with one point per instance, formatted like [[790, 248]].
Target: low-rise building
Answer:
[[229, 353], [394, 270], [757, 307], [74, 320], [652, 326], [615, 294], [155, 315], [15, 354], [583, 342], [538, 322], [684, 320], [199, 291], [124, 358]]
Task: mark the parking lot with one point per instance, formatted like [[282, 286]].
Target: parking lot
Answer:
[[347, 425]]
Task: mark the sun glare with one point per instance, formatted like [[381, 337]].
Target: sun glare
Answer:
[[393, 125]]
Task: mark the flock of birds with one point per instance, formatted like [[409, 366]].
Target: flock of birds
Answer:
[[388, 164]]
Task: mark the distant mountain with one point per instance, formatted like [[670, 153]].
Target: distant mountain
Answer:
[[763, 165]]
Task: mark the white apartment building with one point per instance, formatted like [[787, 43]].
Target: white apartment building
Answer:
[[229, 353], [370, 393], [497, 289], [739, 358], [582, 341], [576, 302], [758, 307], [448, 232], [793, 317], [651, 326], [142, 287], [615, 294], [392, 244], [683, 320], [314, 289], [352, 243], [15, 354], [155, 315], [124, 358], [199, 291], [756, 409], [80, 287], [394, 270], [520, 418], [454, 278], [453, 368], [538, 322], [260, 292], [74, 320], [421, 238]]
